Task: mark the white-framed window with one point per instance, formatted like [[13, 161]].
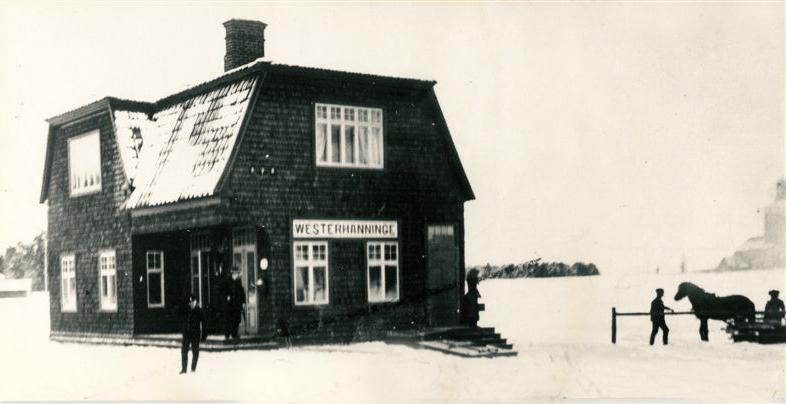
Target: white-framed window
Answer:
[[155, 278], [84, 163], [348, 136], [107, 277], [311, 272], [383, 273], [68, 283]]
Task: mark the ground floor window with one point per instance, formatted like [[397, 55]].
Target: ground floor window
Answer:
[[383, 275], [67, 283], [311, 272], [107, 280], [155, 279]]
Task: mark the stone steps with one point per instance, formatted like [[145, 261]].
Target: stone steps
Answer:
[[461, 341]]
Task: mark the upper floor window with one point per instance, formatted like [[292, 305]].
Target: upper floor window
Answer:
[[348, 136], [107, 272], [67, 283], [84, 163]]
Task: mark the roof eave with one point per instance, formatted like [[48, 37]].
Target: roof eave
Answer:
[[45, 180], [80, 112], [295, 70], [469, 194], [232, 75]]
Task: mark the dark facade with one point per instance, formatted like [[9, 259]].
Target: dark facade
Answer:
[[354, 282], [84, 225]]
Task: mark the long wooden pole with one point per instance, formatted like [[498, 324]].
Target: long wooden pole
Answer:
[[615, 313], [677, 313]]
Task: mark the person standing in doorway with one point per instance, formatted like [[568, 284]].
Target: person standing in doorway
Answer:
[[192, 334], [235, 305], [658, 318]]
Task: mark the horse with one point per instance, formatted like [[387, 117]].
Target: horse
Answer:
[[708, 306]]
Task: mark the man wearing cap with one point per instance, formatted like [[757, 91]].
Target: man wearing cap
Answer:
[[657, 308], [774, 310], [192, 333]]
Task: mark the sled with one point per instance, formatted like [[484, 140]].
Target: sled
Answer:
[[758, 331]]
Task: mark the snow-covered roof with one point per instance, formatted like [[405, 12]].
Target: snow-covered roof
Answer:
[[126, 122], [188, 144]]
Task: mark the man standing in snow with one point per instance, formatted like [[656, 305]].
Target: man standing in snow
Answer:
[[192, 334], [774, 310], [657, 308]]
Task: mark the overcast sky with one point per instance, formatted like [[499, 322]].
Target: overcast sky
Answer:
[[628, 135]]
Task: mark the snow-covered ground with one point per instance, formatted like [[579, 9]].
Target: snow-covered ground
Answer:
[[560, 326]]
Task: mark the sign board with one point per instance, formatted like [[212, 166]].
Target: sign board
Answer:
[[318, 228]]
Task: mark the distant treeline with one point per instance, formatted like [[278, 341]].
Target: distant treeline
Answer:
[[25, 260], [536, 269]]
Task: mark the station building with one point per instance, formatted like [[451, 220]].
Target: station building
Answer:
[[340, 197]]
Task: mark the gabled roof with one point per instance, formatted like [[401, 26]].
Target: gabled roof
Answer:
[[190, 137], [127, 114]]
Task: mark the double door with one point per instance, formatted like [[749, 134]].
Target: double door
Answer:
[[244, 258], [205, 280], [204, 277]]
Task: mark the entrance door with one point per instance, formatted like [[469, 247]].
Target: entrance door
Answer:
[[244, 257], [201, 264], [443, 275]]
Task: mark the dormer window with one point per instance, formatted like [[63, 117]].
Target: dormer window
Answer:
[[84, 163], [348, 136]]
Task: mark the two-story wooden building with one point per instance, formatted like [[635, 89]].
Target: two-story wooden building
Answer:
[[339, 195]]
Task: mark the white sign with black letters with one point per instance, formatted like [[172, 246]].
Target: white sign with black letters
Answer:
[[318, 228]]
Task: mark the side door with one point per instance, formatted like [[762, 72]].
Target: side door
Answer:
[[442, 253]]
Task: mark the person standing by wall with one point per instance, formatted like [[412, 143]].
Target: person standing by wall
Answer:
[[471, 312], [774, 310], [235, 305], [657, 310], [192, 334]]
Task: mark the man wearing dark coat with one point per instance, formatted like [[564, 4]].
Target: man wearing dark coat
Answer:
[[471, 312], [657, 308], [774, 310], [235, 305], [192, 334]]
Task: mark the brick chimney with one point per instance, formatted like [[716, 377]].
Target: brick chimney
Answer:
[[245, 42]]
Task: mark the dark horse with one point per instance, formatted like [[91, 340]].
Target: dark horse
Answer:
[[708, 306]]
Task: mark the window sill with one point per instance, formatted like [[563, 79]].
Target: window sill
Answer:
[[312, 305], [84, 193], [383, 301], [349, 167]]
